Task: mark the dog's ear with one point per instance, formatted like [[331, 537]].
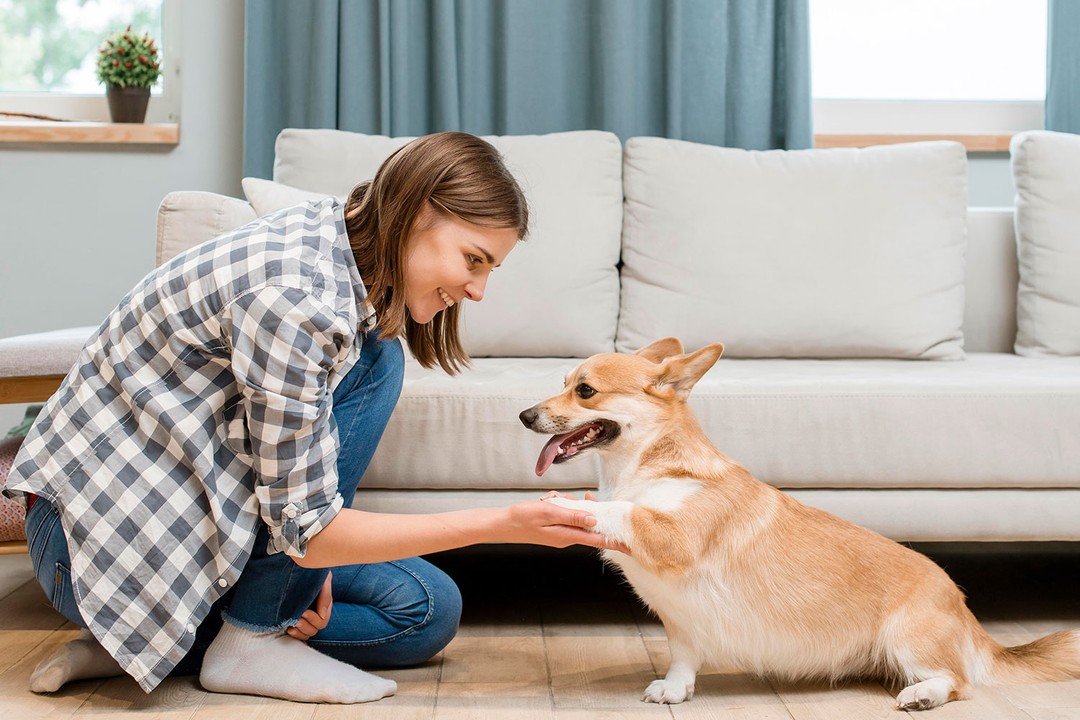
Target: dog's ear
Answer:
[[681, 373], [660, 349]]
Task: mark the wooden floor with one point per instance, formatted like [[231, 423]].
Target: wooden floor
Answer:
[[556, 635]]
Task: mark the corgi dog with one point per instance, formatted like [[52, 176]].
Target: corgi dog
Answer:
[[742, 574]]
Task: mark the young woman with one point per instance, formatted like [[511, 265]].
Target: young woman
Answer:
[[195, 471]]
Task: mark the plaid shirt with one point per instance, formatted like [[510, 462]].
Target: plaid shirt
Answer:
[[200, 407]]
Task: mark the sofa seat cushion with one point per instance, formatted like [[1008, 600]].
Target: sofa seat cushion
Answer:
[[990, 421]]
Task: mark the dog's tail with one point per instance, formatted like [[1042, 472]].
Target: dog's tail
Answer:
[[1050, 658]]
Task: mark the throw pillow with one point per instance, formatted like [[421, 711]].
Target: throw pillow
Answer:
[[266, 196], [557, 294], [806, 253], [1046, 168]]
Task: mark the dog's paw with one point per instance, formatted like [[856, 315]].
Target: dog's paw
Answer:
[[587, 505], [924, 695], [668, 692]]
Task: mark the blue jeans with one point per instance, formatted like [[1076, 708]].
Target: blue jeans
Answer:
[[384, 615]]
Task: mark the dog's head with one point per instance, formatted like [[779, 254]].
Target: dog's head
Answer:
[[612, 399]]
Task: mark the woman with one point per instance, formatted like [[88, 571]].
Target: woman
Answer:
[[195, 470]]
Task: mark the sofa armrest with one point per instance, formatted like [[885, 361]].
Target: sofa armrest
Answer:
[[190, 217], [32, 366]]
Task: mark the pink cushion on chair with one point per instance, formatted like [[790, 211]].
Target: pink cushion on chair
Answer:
[[12, 512]]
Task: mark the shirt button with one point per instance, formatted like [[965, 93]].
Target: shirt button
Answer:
[[190, 628], [223, 582], [290, 512]]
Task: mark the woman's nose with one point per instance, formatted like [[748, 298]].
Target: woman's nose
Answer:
[[475, 289]]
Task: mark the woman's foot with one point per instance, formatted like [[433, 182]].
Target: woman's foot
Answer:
[[80, 659], [276, 665]]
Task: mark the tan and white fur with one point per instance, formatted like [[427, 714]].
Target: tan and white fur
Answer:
[[742, 574]]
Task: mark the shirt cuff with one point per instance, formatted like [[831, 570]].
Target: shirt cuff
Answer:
[[299, 525]]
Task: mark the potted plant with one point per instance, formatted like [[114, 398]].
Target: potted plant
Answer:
[[128, 65]]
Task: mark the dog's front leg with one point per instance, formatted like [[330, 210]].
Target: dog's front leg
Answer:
[[678, 684], [612, 517]]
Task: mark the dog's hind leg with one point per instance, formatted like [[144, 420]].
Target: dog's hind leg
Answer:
[[678, 684], [929, 656]]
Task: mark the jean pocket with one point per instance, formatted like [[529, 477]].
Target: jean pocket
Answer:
[[61, 592], [39, 528]]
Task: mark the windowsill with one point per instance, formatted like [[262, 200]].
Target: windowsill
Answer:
[[89, 133], [974, 142]]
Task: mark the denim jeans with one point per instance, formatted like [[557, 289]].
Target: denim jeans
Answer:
[[384, 615]]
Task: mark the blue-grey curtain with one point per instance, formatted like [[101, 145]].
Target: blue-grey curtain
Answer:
[[1063, 66], [725, 72]]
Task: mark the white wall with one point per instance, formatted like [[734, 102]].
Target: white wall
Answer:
[[77, 224]]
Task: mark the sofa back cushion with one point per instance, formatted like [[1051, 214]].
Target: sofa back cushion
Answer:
[[810, 253], [557, 294], [991, 280], [1046, 168]]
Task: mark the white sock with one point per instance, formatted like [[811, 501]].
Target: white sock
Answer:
[[276, 665], [79, 659]]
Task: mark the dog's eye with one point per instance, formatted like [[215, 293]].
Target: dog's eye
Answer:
[[584, 391]]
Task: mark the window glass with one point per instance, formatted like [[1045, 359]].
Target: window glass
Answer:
[[50, 46], [928, 49]]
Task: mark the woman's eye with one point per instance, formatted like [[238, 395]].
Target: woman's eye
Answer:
[[585, 391]]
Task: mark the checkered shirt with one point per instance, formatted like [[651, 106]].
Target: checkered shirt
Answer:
[[200, 407]]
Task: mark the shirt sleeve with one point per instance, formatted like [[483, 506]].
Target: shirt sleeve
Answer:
[[285, 343]]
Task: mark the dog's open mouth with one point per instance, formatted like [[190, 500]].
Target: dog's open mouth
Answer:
[[563, 447]]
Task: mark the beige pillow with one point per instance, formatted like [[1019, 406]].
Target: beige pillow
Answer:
[[266, 196], [1046, 168], [807, 253], [557, 294]]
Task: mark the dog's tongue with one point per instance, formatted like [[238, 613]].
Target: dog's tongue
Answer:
[[547, 455]]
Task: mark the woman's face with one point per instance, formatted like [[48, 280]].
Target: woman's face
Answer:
[[448, 260]]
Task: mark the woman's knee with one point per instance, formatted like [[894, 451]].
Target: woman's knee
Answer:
[[427, 610]]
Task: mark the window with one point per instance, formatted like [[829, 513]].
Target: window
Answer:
[[928, 66], [48, 50]]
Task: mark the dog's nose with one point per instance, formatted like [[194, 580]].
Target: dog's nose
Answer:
[[528, 417]]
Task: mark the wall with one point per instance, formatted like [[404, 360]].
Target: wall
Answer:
[[77, 224]]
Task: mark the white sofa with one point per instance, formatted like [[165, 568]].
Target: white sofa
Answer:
[[892, 356]]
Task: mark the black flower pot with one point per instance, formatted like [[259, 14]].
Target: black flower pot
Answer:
[[127, 104]]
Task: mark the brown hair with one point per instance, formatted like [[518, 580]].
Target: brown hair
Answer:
[[456, 173]]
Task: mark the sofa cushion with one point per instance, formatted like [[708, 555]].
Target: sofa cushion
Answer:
[[992, 421], [557, 294], [189, 218], [810, 253], [1046, 168], [267, 196]]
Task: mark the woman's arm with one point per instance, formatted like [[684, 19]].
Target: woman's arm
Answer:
[[355, 536]]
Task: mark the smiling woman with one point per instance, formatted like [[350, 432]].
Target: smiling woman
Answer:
[[450, 260], [465, 211]]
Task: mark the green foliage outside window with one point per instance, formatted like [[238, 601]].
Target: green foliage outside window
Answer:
[[52, 45]]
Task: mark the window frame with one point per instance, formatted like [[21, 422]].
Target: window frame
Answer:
[[163, 108]]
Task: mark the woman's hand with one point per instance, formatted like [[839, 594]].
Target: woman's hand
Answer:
[[540, 523], [317, 618]]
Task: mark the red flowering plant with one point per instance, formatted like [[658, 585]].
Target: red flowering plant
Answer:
[[127, 59]]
